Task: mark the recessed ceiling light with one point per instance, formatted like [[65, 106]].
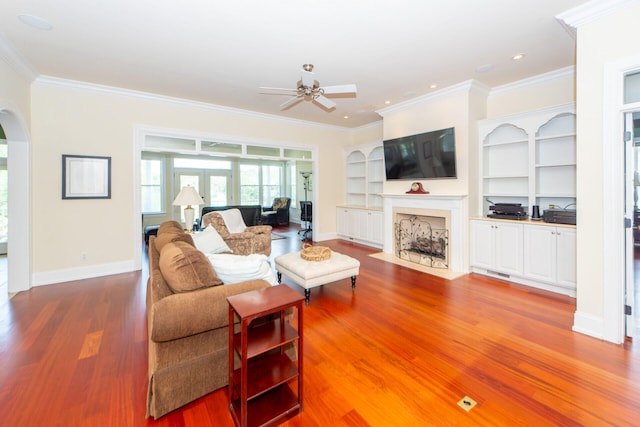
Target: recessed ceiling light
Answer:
[[35, 21], [433, 86], [484, 68], [517, 56], [345, 117], [387, 102]]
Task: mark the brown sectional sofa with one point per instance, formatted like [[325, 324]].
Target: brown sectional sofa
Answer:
[[187, 320]]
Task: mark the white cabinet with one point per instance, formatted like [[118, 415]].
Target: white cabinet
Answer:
[[529, 158], [361, 219], [532, 253], [497, 246], [361, 225], [550, 254]]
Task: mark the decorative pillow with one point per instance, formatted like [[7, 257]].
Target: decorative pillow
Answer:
[[240, 268], [277, 203], [185, 268], [209, 241], [233, 220]]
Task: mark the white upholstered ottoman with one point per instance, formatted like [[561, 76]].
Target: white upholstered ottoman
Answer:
[[310, 274]]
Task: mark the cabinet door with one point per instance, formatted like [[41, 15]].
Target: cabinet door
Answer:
[[508, 248], [342, 219], [566, 251], [482, 244], [375, 227], [359, 220], [540, 252]]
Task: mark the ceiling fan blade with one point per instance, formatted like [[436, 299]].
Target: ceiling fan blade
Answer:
[[325, 102], [290, 102], [330, 90], [307, 78], [278, 88]]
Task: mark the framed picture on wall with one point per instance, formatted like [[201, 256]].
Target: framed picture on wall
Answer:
[[86, 177]]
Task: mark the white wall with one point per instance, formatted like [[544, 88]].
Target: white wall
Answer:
[[446, 108], [15, 118], [14, 91], [600, 42], [72, 119], [545, 90]]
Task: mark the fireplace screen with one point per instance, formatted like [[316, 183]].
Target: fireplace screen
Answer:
[[417, 241]]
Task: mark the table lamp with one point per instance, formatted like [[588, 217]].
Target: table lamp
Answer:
[[188, 196]]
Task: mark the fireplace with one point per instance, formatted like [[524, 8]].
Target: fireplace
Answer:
[[443, 252], [422, 239]]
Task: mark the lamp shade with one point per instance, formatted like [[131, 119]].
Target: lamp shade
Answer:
[[188, 196]]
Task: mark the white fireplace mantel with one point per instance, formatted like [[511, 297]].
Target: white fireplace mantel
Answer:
[[455, 204]]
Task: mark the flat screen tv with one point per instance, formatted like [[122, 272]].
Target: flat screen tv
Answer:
[[429, 155]]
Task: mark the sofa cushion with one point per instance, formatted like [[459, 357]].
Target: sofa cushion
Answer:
[[171, 234], [209, 241], [170, 226], [185, 268]]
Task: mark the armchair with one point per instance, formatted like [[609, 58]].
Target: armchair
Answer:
[[253, 240], [277, 213]]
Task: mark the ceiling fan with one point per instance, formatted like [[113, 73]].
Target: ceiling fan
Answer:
[[310, 90]]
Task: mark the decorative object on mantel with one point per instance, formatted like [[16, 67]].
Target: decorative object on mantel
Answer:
[[416, 188], [86, 177]]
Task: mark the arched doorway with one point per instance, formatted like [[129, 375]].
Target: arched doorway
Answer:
[[19, 199]]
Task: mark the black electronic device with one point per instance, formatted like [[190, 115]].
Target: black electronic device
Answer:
[[513, 211], [428, 155], [560, 216]]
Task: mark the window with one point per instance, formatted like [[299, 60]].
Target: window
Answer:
[[632, 87], [271, 183], [260, 183], [152, 186], [249, 184]]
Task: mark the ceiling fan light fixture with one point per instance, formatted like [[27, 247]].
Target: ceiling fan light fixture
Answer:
[[308, 89]]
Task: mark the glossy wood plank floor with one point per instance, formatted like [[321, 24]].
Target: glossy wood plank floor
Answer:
[[401, 350]]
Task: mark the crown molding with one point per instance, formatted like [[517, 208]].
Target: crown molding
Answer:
[[561, 74], [464, 87], [147, 96], [15, 60], [574, 18]]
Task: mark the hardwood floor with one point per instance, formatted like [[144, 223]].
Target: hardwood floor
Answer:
[[400, 350]]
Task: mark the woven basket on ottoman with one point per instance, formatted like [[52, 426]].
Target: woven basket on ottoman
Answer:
[[310, 274]]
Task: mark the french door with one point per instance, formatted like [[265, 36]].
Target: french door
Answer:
[[632, 210], [214, 186], [4, 189]]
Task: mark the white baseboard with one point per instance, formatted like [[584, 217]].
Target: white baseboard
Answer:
[[70, 274], [588, 324]]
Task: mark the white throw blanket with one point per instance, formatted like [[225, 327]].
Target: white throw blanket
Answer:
[[233, 220], [240, 268]]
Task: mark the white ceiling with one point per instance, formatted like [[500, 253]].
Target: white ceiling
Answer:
[[221, 52]]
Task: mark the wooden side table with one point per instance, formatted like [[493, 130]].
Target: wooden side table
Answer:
[[262, 389]]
